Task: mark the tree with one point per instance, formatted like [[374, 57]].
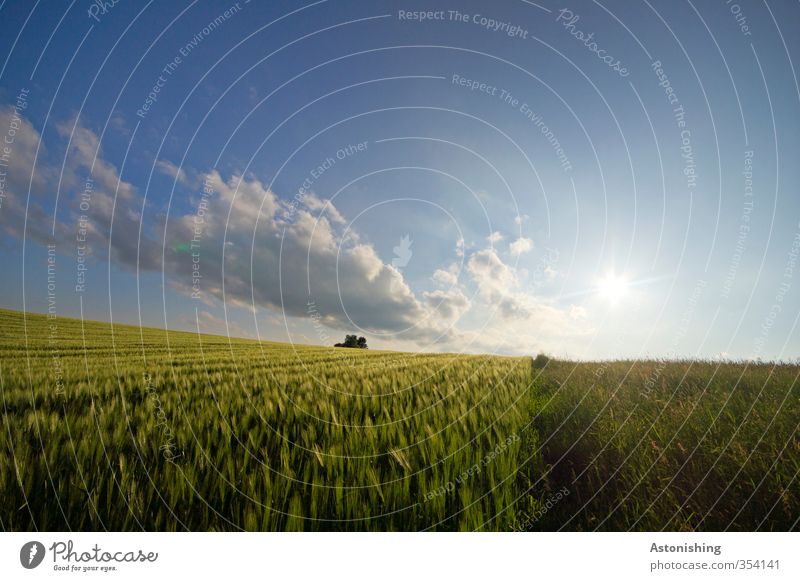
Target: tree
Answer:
[[353, 342], [541, 361]]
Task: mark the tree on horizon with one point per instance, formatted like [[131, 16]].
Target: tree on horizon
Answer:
[[353, 342]]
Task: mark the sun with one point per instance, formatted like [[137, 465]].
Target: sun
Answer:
[[613, 287]]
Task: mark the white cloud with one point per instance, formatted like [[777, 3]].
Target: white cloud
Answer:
[[490, 273], [532, 318], [577, 312], [322, 207], [520, 246], [82, 155], [285, 264], [448, 305], [168, 168], [448, 277], [275, 255], [277, 263], [494, 237], [497, 283]]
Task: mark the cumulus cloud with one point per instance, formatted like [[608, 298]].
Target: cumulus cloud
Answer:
[[497, 283], [520, 246], [492, 275], [274, 255], [449, 305], [460, 246], [49, 181], [168, 168], [446, 277], [290, 257], [494, 237], [577, 312], [499, 286], [318, 205]]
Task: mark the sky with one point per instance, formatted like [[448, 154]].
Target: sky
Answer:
[[590, 180]]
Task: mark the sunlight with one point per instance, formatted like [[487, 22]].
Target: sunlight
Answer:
[[613, 287]]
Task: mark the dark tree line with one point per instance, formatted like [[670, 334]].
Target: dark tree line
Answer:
[[354, 342]]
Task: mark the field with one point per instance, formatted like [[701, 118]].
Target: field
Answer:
[[142, 429], [678, 445]]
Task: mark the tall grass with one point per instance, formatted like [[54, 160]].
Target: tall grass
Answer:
[[670, 445], [143, 429]]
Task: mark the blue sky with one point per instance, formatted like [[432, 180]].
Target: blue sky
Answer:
[[592, 179]]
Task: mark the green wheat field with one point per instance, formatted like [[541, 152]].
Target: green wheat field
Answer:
[[125, 428]]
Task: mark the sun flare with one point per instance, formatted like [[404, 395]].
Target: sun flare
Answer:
[[613, 287]]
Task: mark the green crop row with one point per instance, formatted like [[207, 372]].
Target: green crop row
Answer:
[[136, 429], [122, 428]]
